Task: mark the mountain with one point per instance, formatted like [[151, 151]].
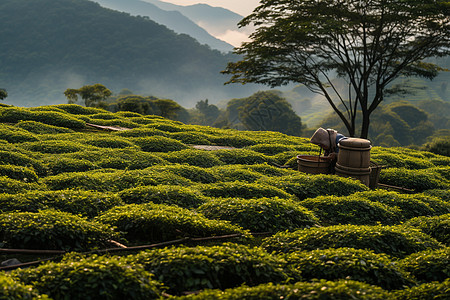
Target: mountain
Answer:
[[173, 19], [51, 45]]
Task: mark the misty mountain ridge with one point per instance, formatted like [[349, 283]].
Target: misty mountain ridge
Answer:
[[51, 45]]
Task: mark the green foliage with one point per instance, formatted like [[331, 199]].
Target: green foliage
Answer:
[[332, 210], [12, 186], [163, 194], [93, 277], [347, 263], [13, 290], [231, 138], [238, 189], [16, 135], [108, 142], [308, 186], [444, 195], [141, 132], [437, 227], [112, 180], [199, 158], [41, 128], [259, 215], [241, 156], [151, 222], [235, 172], [397, 241], [268, 170], [190, 137], [58, 165], [194, 173], [318, 289], [417, 180], [426, 291], [91, 94], [439, 145], [18, 173], [50, 229], [53, 146], [394, 158], [158, 144], [85, 203], [429, 265], [229, 265], [76, 109], [272, 149]]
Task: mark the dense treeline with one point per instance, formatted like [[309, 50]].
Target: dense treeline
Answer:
[[48, 46]]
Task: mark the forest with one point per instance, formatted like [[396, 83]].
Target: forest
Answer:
[[142, 211]]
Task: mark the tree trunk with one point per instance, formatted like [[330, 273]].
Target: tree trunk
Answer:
[[365, 125]]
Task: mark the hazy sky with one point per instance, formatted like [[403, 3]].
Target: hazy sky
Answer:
[[242, 7]]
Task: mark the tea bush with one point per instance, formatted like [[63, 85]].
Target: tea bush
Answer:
[[259, 215], [129, 114], [158, 144], [194, 173], [18, 173], [412, 205], [399, 160], [16, 135], [57, 119], [41, 128], [108, 142], [418, 180], [163, 194], [114, 122], [437, 227], [57, 165], [13, 290], [158, 222], [112, 180], [241, 156], [332, 210], [440, 145], [272, 149], [12, 186], [444, 171], [347, 263], [94, 277], [231, 138], [429, 265], [105, 116], [141, 132], [308, 186], [444, 195], [53, 147], [318, 289], [79, 110], [85, 203], [190, 137], [199, 158], [235, 172], [269, 170], [169, 126], [50, 229], [184, 269], [397, 241], [238, 189], [426, 291]]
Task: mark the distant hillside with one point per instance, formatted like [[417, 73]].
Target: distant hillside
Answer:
[[51, 45], [173, 19]]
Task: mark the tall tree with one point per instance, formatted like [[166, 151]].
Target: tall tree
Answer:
[[3, 94], [365, 44], [91, 94]]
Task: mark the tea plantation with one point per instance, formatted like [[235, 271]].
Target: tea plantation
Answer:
[[140, 213]]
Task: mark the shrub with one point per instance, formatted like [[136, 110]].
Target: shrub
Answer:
[[241, 156], [319, 289], [171, 126], [57, 165], [85, 203], [13, 290], [440, 145], [437, 227], [426, 291], [108, 142], [79, 110], [232, 139], [444, 171], [112, 180], [54, 146], [158, 144], [41, 128], [391, 159], [190, 137], [418, 180], [268, 170], [244, 190], [57, 119], [397, 241], [429, 265], [50, 229], [194, 173], [347, 263], [229, 265], [12, 186], [444, 195], [104, 116], [19, 173], [410, 205], [94, 277], [141, 132], [199, 158], [163, 194], [259, 215], [308, 186], [235, 173], [272, 149], [333, 210], [158, 222], [114, 122], [16, 135]]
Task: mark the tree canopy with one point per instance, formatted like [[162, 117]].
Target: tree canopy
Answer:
[[363, 45], [91, 94], [3, 94]]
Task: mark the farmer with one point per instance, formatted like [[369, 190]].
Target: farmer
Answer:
[[328, 140]]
